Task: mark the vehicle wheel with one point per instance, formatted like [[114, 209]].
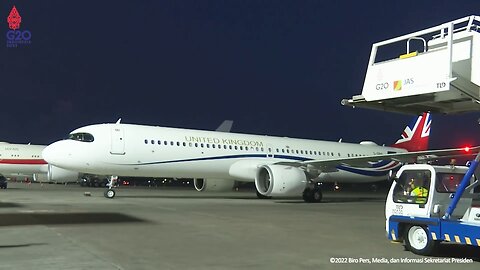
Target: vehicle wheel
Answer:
[[418, 241], [312, 195], [263, 197], [109, 193]]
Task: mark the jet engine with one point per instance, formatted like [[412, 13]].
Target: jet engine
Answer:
[[57, 175], [213, 184], [280, 180]]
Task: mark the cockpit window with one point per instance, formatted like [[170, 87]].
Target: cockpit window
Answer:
[[82, 137]]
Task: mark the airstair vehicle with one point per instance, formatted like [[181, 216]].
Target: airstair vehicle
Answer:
[[435, 69], [438, 72]]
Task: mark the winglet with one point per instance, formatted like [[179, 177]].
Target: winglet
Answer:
[[225, 126], [118, 121]]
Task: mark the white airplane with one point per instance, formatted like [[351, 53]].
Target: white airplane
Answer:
[[279, 166], [26, 160]]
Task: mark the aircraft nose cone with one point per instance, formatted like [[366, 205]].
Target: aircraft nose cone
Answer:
[[50, 154]]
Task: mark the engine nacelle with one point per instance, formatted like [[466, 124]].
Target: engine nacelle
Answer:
[[213, 184], [57, 175], [40, 177], [280, 180]]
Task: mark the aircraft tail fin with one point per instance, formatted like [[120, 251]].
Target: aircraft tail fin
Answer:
[[415, 136], [225, 126]]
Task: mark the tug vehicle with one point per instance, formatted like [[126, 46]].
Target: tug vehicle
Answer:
[[429, 204]]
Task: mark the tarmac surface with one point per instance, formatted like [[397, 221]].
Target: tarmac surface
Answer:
[[58, 227]]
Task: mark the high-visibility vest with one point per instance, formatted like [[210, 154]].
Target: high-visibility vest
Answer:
[[421, 193]]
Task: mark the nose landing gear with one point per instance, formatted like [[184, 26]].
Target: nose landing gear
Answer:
[[110, 192]]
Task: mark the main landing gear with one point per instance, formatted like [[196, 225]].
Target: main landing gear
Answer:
[[313, 194], [110, 193]]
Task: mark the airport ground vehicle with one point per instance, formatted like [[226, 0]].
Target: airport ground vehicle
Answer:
[[3, 182], [429, 204]]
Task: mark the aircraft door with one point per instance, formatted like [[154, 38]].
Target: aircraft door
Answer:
[[117, 140]]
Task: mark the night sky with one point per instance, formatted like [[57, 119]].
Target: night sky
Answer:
[[274, 67]]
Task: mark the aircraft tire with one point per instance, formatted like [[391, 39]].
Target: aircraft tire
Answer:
[[109, 193], [312, 195]]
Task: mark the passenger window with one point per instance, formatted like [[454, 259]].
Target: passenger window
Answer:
[[146, 141], [178, 143], [184, 144], [152, 141], [159, 142]]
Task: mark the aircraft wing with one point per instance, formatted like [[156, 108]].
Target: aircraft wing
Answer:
[[330, 165]]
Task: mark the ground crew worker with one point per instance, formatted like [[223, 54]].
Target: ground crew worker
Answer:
[[419, 192]]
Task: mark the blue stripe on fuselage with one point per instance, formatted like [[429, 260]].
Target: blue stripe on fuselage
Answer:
[[355, 170], [203, 159]]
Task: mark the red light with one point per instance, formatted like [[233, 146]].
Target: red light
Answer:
[[466, 149]]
